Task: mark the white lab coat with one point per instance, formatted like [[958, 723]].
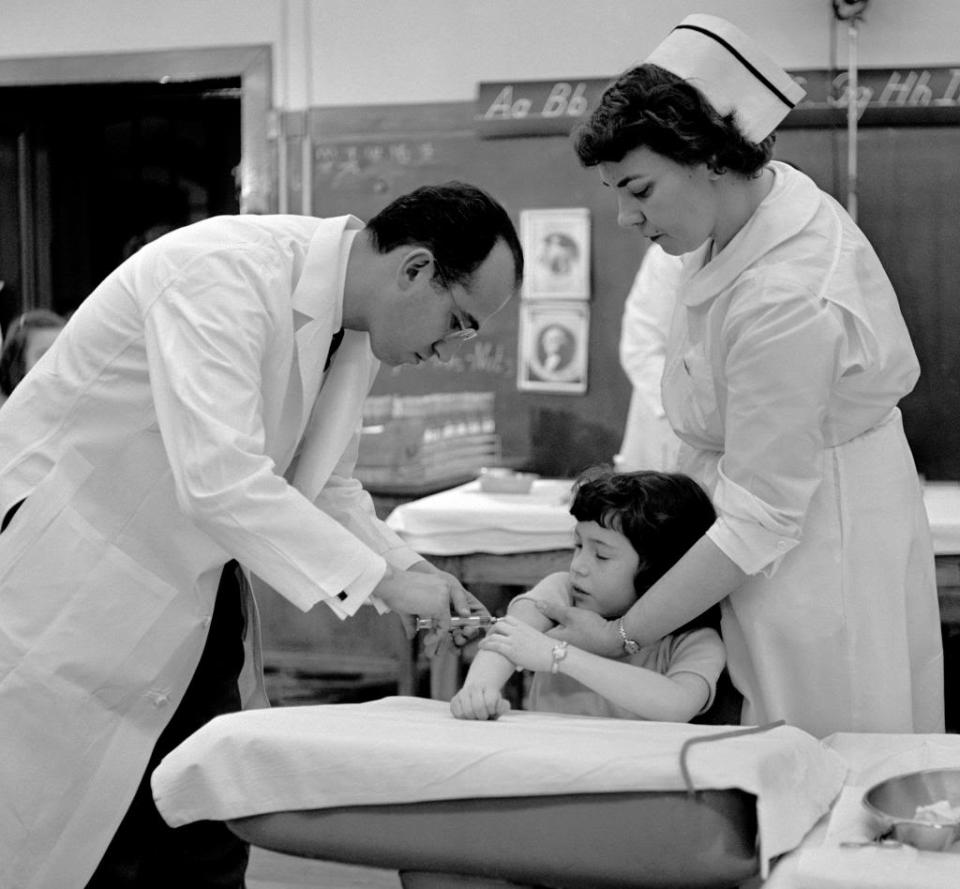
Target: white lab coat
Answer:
[[783, 371], [649, 441], [151, 443]]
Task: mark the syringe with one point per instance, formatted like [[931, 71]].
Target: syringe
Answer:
[[457, 623]]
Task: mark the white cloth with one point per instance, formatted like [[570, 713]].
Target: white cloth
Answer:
[[466, 519], [402, 750], [783, 371], [821, 863], [649, 441], [150, 443], [942, 503]]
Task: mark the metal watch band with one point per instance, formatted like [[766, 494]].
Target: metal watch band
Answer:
[[630, 646]]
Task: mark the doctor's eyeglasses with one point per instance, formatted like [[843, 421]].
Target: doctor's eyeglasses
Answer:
[[465, 329]]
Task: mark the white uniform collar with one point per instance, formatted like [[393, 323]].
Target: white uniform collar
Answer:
[[786, 210]]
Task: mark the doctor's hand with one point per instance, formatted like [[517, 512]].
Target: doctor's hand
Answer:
[[426, 592], [583, 629]]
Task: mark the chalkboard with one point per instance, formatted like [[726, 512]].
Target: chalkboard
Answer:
[[363, 160], [909, 185]]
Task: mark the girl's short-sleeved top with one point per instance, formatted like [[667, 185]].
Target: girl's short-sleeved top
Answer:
[[699, 651]]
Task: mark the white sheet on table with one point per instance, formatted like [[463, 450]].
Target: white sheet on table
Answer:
[[942, 501], [403, 750], [827, 865], [466, 519]]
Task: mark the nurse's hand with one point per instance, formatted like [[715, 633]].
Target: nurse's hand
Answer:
[[476, 701], [583, 629]]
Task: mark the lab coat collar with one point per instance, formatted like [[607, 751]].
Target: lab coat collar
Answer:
[[317, 301], [785, 211], [321, 272]]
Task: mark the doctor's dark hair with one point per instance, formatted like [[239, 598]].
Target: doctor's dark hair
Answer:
[[662, 514], [457, 222], [650, 107], [13, 356]]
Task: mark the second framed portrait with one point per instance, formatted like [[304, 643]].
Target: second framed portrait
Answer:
[[553, 347], [556, 249]]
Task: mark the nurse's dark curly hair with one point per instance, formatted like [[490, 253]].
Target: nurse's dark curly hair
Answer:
[[650, 107], [662, 514], [457, 222]]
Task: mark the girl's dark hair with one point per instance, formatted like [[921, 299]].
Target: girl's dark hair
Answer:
[[650, 107], [458, 222], [662, 514], [13, 357]]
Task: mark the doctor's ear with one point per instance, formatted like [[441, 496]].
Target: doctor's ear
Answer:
[[416, 266]]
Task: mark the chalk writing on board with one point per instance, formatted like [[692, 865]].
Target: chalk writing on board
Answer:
[[338, 160], [482, 357], [884, 96]]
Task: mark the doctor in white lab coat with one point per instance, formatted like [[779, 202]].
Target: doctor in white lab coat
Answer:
[[185, 421]]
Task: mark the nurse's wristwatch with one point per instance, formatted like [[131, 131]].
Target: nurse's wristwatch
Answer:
[[630, 646]]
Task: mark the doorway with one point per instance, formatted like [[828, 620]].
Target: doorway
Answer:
[[100, 154]]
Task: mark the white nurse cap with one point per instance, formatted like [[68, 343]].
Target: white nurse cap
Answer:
[[731, 71]]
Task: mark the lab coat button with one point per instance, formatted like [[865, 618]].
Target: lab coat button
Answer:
[[160, 699], [781, 545]]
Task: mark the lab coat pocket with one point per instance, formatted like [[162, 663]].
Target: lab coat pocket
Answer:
[[48, 499], [73, 605]]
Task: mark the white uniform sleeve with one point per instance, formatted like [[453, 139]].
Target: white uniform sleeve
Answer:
[[206, 381], [344, 499], [782, 350]]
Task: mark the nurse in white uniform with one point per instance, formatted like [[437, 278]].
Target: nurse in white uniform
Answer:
[[786, 360]]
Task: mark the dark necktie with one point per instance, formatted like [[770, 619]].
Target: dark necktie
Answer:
[[334, 345]]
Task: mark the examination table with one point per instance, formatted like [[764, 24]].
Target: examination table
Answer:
[[531, 799]]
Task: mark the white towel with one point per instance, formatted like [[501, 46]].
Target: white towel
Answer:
[[467, 520], [822, 863]]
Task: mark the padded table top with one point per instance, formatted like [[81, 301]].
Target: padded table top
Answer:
[[403, 750]]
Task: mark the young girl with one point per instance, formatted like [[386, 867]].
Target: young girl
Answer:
[[631, 528]]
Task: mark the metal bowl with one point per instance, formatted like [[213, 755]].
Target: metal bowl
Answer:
[[894, 804]]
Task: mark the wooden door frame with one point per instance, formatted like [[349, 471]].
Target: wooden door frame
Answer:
[[252, 64]]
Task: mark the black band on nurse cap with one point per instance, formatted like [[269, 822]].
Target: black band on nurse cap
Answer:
[[740, 58]]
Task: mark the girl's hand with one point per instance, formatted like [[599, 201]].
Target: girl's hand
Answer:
[[478, 702], [520, 643], [584, 629]]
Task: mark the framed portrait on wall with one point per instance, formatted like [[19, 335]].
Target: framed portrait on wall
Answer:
[[553, 346], [556, 250]]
